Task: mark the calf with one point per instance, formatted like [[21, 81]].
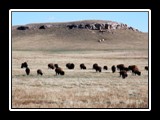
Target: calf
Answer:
[[105, 68], [39, 72]]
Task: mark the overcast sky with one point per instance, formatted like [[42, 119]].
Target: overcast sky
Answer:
[[138, 20]]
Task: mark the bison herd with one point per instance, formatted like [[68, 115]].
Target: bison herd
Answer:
[[123, 70]]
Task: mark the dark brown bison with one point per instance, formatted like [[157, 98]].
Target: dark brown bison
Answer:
[[146, 67], [82, 66], [56, 65], [70, 65], [105, 68], [95, 65], [136, 71], [27, 71], [120, 66], [50, 66], [97, 68], [24, 65], [59, 71], [113, 69], [123, 73], [39, 72]]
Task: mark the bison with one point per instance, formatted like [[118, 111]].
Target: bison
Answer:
[[59, 71], [113, 69], [39, 72], [95, 65], [24, 65], [70, 65], [105, 68], [56, 65], [123, 73], [136, 71], [146, 68], [120, 67], [27, 71], [82, 66], [50, 66], [98, 68]]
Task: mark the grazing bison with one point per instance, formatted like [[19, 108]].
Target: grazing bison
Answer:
[[123, 73], [27, 71], [56, 65], [105, 68], [113, 69], [50, 65], [82, 66], [120, 66], [70, 65], [97, 68], [136, 71], [146, 67], [59, 71], [24, 65], [95, 65], [39, 72]]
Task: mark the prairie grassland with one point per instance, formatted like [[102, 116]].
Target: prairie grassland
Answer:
[[79, 88]]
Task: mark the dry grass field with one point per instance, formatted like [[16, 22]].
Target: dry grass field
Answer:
[[78, 88]]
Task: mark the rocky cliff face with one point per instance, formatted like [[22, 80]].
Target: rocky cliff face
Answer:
[[92, 25]]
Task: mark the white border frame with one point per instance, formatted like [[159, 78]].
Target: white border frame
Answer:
[[70, 10]]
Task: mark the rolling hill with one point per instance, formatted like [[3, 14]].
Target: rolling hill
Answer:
[[78, 35]]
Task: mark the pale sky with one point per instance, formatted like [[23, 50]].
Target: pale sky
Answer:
[[138, 20]]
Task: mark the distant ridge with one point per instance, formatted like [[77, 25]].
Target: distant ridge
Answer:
[[91, 24], [78, 35]]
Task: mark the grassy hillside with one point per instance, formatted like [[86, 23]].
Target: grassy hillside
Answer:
[[60, 37]]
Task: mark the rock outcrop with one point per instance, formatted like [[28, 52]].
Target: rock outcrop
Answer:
[[92, 25], [98, 26]]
